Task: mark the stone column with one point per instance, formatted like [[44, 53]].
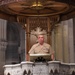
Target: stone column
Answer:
[[63, 41], [58, 43], [22, 47], [74, 36], [3, 43], [71, 41]]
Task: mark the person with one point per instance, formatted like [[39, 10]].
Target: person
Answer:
[[41, 47]]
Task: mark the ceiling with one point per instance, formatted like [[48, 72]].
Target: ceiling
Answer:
[[38, 7]]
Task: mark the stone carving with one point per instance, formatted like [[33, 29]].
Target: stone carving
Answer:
[[29, 72], [40, 68], [51, 72], [56, 72], [8, 74], [34, 33], [73, 73], [25, 72]]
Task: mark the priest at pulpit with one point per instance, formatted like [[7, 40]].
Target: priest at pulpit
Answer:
[[42, 48]]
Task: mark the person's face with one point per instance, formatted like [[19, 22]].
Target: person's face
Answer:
[[41, 39]]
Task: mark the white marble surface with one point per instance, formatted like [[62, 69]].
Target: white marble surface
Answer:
[[40, 68]]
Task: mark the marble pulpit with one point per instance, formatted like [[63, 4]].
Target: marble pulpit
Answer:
[[40, 68]]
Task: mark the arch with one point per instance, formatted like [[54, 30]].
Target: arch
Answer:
[[29, 72], [8, 74], [25, 72], [73, 72], [56, 72], [51, 72]]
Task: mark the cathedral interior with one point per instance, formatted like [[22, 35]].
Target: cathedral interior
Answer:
[[20, 20]]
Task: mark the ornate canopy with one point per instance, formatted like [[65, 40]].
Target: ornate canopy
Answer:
[[64, 8]]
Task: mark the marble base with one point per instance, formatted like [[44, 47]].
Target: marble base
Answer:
[[40, 68]]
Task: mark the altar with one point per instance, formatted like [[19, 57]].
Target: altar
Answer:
[[40, 68]]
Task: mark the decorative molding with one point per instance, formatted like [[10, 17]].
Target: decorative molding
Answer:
[[2, 2], [53, 68], [33, 8], [38, 22]]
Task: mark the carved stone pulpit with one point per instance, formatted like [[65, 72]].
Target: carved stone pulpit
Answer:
[[35, 24]]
